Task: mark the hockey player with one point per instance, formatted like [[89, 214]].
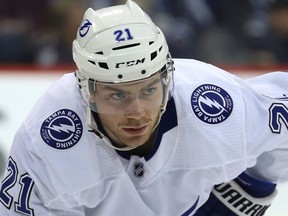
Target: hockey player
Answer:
[[133, 132]]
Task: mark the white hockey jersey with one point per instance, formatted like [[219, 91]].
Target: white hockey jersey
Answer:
[[215, 127]]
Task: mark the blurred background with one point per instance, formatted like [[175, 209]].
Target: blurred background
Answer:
[[251, 34], [221, 32], [226, 33]]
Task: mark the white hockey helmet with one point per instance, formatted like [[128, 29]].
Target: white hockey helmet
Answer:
[[118, 44]]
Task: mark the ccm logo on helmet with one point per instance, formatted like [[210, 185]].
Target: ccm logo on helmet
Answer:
[[130, 63]]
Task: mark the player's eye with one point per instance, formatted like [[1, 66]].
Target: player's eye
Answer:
[[118, 95], [149, 91]]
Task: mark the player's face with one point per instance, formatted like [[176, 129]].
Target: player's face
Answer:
[[129, 112]]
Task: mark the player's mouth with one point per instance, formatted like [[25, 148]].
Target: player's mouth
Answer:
[[135, 131]]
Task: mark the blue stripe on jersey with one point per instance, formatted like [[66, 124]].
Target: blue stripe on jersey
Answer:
[[168, 121], [190, 210]]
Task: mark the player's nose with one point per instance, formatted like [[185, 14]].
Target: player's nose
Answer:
[[135, 109]]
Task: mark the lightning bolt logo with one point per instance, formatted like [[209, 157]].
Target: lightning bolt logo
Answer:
[[83, 30], [62, 128], [211, 103]]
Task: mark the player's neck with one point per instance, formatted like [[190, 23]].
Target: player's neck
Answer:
[[144, 149]]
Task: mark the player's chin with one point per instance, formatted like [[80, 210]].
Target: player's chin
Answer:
[[135, 141], [134, 137]]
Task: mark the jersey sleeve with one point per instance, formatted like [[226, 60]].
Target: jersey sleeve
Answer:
[[266, 114], [19, 191], [27, 188]]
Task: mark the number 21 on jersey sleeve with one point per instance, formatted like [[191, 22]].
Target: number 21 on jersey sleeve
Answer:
[[26, 183]]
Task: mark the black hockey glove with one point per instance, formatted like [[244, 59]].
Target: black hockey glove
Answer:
[[242, 196]]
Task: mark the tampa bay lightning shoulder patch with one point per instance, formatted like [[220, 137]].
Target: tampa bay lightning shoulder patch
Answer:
[[211, 104], [62, 129]]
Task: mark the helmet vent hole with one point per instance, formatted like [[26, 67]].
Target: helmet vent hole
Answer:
[[160, 48], [151, 42], [153, 55], [120, 76], [92, 62], [103, 65], [143, 72], [126, 46], [99, 53]]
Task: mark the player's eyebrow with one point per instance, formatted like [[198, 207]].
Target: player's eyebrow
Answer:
[[115, 88]]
